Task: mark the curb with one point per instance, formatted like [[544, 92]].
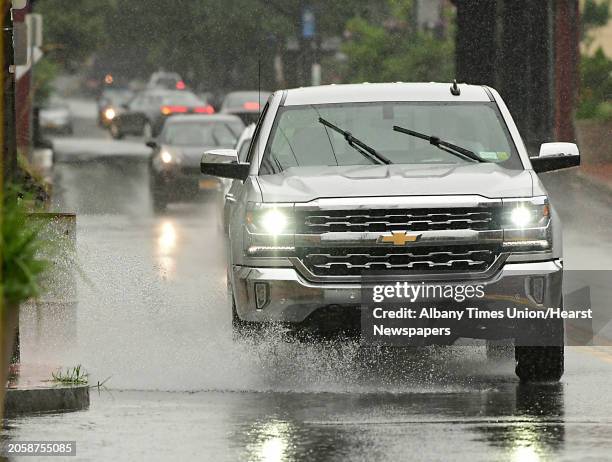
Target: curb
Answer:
[[51, 399]]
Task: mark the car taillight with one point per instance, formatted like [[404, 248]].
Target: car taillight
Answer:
[[180, 85], [251, 105], [208, 109], [173, 109]]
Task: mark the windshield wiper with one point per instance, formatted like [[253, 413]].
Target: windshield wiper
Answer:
[[365, 150], [453, 149]]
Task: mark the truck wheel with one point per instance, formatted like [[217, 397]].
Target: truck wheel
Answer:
[[539, 363], [543, 363]]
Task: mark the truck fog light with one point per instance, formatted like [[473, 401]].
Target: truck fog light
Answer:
[[536, 288], [262, 295]]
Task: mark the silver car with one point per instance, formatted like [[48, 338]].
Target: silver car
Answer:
[[345, 186], [55, 117]]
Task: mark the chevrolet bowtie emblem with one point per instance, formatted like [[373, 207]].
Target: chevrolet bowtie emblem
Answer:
[[398, 238]]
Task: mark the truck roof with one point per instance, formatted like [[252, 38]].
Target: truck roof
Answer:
[[372, 92]]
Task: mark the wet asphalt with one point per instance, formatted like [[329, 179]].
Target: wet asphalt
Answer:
[[153, 319]]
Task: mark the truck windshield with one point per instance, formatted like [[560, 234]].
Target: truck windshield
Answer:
[[298, 139]]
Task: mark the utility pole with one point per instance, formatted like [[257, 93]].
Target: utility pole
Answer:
[[9, 158]]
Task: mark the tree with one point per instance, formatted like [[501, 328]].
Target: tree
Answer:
[[595, 68], [212, 43], [73, 33], [393, 50]]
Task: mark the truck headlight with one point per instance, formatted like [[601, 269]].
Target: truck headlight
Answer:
[[270, 219], [527, 224], [270, 230], [274, 221], [521, 216]]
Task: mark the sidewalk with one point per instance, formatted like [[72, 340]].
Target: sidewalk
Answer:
[[31, 390]]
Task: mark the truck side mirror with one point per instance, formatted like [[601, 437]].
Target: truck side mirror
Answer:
[[556, 156], [224, 163]]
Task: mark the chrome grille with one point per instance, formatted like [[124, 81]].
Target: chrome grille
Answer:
[[382, 220], [353, 261]]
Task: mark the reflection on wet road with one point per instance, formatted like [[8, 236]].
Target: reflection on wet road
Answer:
[[153, 317]]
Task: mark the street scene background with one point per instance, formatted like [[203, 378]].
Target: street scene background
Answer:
[[151, 319]]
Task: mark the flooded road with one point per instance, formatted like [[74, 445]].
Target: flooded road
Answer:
[[152, 317]]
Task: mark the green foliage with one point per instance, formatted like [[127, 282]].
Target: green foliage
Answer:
[[595, 14], [212, 43], [73, 32], [394, 51], [72, 376], [45, 72], [21, 244], [595, 86]]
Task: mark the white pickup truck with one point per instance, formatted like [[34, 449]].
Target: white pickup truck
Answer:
[[423, 181]]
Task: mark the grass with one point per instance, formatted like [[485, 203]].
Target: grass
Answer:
[[72, 376]]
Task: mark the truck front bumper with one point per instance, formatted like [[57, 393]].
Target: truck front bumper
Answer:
[[283, 295]]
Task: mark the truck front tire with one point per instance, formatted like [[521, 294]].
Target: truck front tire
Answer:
[[539, 363], [545, 362]]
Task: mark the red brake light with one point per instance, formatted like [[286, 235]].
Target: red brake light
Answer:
[[180, 85], [251, 105], [172, 109], [208, 109]]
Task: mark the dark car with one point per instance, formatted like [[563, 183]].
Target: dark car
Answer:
[[110, 102], [175, 160], [244, 104], [146, 112]]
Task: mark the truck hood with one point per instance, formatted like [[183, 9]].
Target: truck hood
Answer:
[[303, 184]]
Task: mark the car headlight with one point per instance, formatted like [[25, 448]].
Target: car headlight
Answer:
[[527, 224], [269, 230], [168, 157], [109, 113]]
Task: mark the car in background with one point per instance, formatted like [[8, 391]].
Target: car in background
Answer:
[[54, 116], [175, 161], [110, 102], [146, 112], [242, 148], [166, 80], [244, 104]]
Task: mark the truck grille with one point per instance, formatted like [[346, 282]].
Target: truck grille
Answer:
[[382, 220], [353, 261]]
